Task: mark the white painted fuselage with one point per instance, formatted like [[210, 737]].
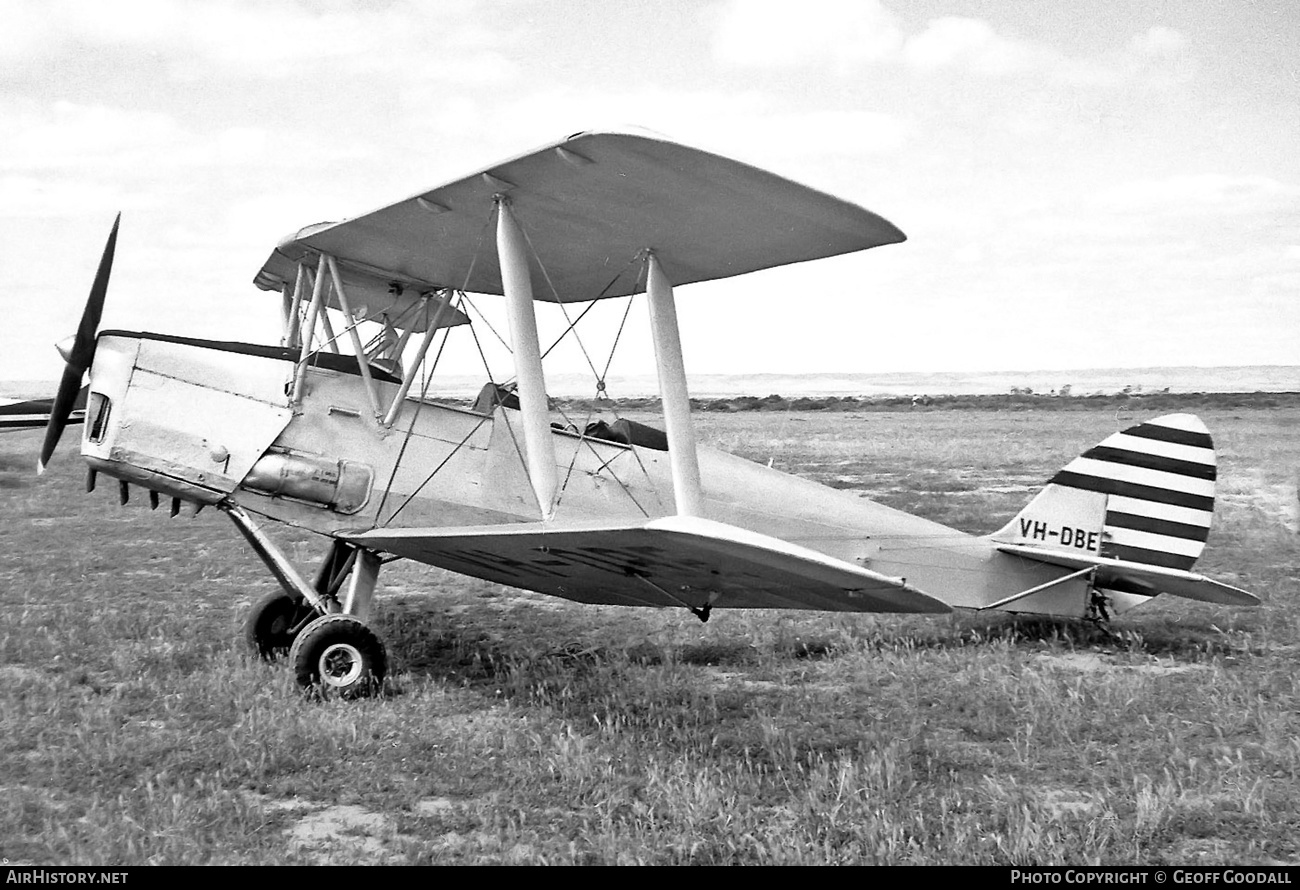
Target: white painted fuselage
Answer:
[[212, 422]]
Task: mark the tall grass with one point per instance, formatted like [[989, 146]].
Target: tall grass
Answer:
[[517, 728]]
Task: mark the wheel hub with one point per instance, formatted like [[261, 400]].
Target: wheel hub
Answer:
[[340, 665]]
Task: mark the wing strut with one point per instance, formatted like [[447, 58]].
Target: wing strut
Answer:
[[444, 302], [293, 323], [673, 392], [362, 365], [309, 328], [527, 351]]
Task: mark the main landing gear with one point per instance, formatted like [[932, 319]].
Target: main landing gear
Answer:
[[321, 627], [274, 623], [338, 655]]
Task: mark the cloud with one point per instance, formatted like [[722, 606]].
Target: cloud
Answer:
[[1200, 192], [67, 134], [25, 24], [1158, 42], [781, 34], [846, 37], [441, 41], [746, 125], [132, 142], [973, 45], [31, 197]]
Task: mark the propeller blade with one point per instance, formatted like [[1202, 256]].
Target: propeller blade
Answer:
[[69, 386], [81, 353], [83, 350]]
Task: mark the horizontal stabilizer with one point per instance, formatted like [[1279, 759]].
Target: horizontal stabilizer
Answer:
[[1133, 577], [680, 561]]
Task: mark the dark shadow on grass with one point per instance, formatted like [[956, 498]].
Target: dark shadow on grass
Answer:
[[12, 463], [527, 649], [811, 650], [428, 643], [541, 647], [1183, 640], [16, 471]]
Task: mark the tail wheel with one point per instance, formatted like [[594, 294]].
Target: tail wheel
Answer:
[[337, 655], [272, 624]]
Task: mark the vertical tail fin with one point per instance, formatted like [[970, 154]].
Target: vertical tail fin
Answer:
[[1144, 495]]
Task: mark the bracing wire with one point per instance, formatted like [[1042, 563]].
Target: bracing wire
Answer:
[[556, 294], [427, 379]]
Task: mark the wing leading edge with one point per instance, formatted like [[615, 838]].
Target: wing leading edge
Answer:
[[675, 561]]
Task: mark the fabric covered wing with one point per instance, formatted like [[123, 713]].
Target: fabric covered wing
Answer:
[[1132, 577], [589, 206], [666, 562]]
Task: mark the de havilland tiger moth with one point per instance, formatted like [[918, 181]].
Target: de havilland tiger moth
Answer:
[[344, 434]]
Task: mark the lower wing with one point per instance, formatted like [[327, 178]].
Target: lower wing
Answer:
[[31, 414], [677, 560]]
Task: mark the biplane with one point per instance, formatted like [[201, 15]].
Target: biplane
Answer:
[[349, 437]]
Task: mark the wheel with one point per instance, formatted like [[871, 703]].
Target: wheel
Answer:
[[338, 655], [268, 632]]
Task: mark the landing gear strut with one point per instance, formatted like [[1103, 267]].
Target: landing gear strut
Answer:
[[321, 626]]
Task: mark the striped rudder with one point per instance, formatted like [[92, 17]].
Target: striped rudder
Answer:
[[1143, 495]]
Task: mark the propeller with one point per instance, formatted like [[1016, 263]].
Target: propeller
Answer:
[[79, 356]]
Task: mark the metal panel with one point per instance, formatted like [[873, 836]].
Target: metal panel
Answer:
[[202, 415]]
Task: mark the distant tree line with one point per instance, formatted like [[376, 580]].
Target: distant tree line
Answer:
[[1020, 398]]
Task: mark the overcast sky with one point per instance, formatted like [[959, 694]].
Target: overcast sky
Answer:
[[1100, 183]]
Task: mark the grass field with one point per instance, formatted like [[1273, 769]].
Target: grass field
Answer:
[[521, 729]]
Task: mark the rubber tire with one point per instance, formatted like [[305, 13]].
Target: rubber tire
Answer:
[[266, 632], [338, 656]]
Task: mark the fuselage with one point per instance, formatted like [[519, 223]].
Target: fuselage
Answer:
[[212, 422]]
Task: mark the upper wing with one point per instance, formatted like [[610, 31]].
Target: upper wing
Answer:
[[664, 562], [589, 205], [1133, 577]]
